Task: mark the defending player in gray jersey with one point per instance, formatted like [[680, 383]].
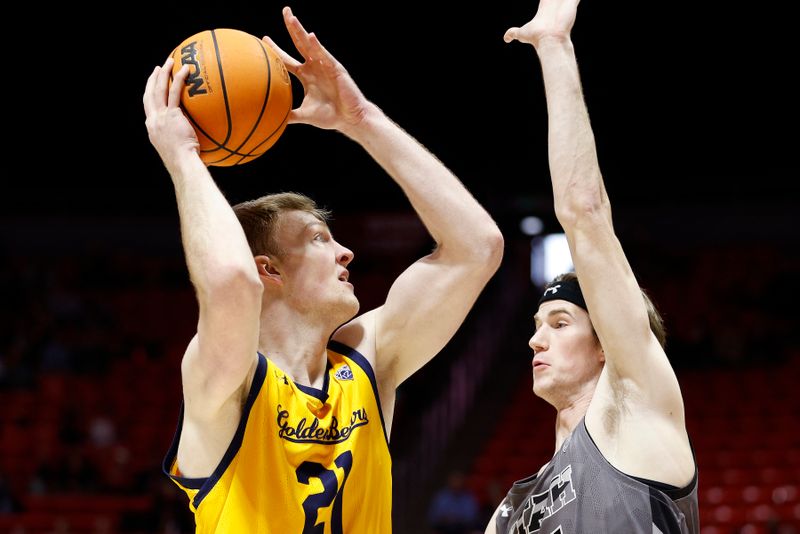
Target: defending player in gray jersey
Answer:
[[623, 462], [580, 491]]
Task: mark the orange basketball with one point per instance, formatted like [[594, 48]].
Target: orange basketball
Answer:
[[238, 94]]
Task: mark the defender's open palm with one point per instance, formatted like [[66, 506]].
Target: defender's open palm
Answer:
[[554, 18], [331, 98]]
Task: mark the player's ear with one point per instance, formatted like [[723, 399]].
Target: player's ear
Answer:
[[267, 270]]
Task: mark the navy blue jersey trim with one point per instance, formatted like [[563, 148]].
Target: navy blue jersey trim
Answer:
[[321, 394], [204, 485], [362, 362], [172, 453]]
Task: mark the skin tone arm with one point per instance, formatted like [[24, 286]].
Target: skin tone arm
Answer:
[[429, 301], [636, 415], [223, 352], [490, 528]]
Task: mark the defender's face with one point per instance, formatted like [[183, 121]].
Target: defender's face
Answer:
[[566, 354], [313, 266]]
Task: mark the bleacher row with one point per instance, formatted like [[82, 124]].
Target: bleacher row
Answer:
[[82, 450]]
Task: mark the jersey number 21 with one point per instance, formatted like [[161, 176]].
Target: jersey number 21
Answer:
[[331, 493]]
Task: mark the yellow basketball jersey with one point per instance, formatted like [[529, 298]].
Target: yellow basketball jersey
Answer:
[[302, 460]]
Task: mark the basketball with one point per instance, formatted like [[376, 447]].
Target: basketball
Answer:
[[237, 96]]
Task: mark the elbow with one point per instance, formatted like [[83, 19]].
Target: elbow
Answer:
[[486, 251], [494, 245], [581, 197], [580, 211], [480, 253]]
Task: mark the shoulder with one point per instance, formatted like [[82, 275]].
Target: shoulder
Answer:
[[359, 334]]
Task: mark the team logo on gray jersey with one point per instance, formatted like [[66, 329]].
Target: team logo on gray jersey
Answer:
[[539, 507]]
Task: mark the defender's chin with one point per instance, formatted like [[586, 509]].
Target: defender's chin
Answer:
[[540, 387]]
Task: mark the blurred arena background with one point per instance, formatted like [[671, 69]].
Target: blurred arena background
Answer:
[[690, 110]]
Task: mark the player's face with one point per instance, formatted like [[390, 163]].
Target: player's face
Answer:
[[313, 267], [567, 357]]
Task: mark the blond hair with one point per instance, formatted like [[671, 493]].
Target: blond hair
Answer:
[[260, 219]]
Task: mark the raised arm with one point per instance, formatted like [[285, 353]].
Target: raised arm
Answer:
[[638, 390], [220, 264], [429, 301]]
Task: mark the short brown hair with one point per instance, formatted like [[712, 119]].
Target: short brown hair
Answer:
[[656, 321], [260, 218]]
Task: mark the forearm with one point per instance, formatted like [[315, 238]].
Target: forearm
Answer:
[[574, 168], [457, 222], [214, 244]]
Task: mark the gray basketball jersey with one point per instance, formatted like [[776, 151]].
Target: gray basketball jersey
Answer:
[[579, 492]]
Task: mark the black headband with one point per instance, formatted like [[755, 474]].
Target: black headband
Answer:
[[568, 290]]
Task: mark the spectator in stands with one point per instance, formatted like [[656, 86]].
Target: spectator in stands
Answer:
[[102, 431], [281, 381], [70, 471], [8, 502], [623, 461], [454, 508]]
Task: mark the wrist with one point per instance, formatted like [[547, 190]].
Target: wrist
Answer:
[[370, 119], [184, 163], [553, 41]]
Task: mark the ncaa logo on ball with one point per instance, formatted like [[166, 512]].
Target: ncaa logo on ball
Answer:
[[197, 78]]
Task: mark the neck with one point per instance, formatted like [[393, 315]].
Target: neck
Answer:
[[569, 416], [296, 343]]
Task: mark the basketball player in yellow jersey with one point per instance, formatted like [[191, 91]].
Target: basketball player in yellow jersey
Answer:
[[288, 394], [330, 465]]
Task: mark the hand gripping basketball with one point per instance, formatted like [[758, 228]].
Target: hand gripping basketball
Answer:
[[237, 95]]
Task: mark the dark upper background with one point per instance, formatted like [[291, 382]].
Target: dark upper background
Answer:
[[689, 103]]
